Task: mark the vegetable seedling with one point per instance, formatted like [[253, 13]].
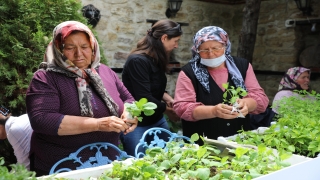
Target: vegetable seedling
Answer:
[[235, 93], [137, 107]]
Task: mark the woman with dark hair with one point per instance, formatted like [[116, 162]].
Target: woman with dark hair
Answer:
[[144, 76]]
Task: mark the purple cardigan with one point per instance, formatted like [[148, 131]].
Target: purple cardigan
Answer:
[[52, 95]]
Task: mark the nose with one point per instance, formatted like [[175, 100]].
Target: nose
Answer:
[[212, 54], [210, 51], [78, 51], [176, 45]]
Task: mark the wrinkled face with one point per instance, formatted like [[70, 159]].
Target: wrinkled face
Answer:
[[211, 49], [78, 50], [170, 44], [303, 80]]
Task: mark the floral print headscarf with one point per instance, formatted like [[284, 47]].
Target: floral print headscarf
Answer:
[[54, 60], [217, 34], [288, 82]]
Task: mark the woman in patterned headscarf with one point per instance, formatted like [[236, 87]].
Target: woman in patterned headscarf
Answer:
[[199, 91], [73, 100], [296, 78]]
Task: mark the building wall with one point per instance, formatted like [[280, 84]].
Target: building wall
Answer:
[[123, 23]]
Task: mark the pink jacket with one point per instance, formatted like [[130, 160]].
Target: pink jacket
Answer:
[[185, 96]]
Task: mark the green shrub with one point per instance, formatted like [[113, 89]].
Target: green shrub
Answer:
[[25, 31]]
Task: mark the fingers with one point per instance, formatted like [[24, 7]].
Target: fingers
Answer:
[[112, 124], [243, 107], [225, 111], [133, 124], [244, 110], [169, 104], [172, 114]]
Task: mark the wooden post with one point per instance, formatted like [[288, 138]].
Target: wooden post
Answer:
[[247, 37]]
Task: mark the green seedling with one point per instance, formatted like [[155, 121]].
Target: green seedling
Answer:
[[187, 161], [296, 129], [137, 107], [235, 93]]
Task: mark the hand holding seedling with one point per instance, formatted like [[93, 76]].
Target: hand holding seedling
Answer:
[[225, 111], [132, 122], [115, 124], [241, 107], [238, 105]]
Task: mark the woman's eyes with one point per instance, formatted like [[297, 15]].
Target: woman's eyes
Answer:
[[74, 48]]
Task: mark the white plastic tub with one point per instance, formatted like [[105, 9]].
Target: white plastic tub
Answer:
[[84, 173], [306, 170]]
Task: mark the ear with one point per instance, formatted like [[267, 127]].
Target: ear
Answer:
[[164, 38], [93, 56]]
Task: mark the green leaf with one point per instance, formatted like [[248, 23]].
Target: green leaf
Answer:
[[140, 119], [141, 102], [241, 151], [201, 152], [291, 148], [225, 85], [203, 173], [175, 158], [194, 137], [224, 95], [149, 105], [165, 164], [148, 112], [227, 173]]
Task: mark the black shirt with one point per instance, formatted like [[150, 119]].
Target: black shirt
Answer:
[[144, 79]]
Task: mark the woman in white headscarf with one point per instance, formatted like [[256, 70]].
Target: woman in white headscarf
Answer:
[[199, 91]]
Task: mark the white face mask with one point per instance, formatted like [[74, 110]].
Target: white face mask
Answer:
[[215, 62]]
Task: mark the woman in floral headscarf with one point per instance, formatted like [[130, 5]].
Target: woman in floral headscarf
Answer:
[[296, 78], [73, 100], [199, 91]]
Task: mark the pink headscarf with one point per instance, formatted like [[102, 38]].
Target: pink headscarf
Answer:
[[288, 82], [54, 54], [54, 60]]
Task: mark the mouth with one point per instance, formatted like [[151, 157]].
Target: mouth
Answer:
[[78, 60]]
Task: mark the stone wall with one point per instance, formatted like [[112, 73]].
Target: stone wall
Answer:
[[123, 23]]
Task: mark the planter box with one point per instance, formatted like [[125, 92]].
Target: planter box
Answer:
[[84, 173], [301, 168], [304, 170], [307, 169]]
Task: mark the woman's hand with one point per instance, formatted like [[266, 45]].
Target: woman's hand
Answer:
[[168, 100], [243, 107], [171, 114], [132, 123], [224, 111], [114, 124]]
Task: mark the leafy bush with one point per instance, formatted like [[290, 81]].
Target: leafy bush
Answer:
[[297, 128], [25, 31], [17, 172]]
